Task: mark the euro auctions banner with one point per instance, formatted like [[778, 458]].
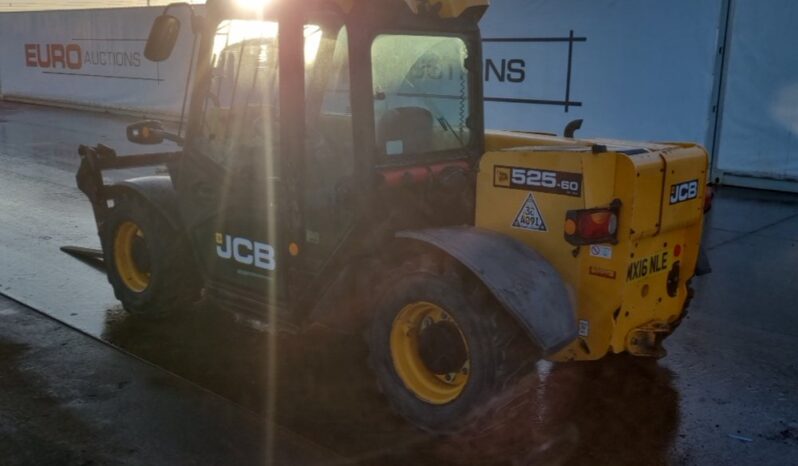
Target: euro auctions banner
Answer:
[[92, 58]]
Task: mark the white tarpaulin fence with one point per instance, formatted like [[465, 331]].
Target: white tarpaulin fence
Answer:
[[639, 69], [759, 121], [632, 69], [93, 58]]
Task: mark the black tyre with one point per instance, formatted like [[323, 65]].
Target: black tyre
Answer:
[[442, 347], [148, 262]]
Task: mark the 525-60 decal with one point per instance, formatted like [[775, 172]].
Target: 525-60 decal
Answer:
[[534, 179]]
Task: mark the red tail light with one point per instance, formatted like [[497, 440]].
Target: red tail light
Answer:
[[591, 226]]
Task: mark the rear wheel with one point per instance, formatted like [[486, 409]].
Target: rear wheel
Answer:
[[442, 347], [149, 264], [429, 352]]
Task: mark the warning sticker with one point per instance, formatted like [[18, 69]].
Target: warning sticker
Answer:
[[584, 328], [601, 272], [529, 217], [601, 250]]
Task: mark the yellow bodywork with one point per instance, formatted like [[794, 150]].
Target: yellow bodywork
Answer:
[[620, 290]]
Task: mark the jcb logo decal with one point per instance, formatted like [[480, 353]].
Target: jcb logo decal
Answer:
[[502, 177], [684, 191], [245, 251]]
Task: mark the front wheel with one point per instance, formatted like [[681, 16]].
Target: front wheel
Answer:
[[442, 347], [148, 262]]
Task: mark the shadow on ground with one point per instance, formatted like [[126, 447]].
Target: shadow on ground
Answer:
[[617, 411]]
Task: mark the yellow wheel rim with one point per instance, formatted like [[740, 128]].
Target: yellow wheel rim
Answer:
[[434, 388], [130, 273]]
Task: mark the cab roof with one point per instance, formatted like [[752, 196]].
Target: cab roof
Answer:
[[440, 8], [445, 8]]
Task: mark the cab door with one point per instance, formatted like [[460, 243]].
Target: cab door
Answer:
[[328, 183], [232, 184]]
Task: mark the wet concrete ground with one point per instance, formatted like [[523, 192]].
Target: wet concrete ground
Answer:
[[67, 399], [726, 393]]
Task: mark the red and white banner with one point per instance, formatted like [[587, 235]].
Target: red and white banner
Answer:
[[92, 58]]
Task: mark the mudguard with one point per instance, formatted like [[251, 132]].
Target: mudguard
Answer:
[[521, 279], [158, 191]]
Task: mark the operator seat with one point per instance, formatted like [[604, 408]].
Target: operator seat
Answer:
[[405, 130]]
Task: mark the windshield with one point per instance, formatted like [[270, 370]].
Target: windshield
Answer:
[[421, 93], [242, 98]]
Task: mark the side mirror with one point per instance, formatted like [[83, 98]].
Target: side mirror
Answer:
[[162, 38], [145, 132]]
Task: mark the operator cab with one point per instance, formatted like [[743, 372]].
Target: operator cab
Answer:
[[301, 110]]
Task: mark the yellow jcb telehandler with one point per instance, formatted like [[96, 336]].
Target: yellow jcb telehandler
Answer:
[[335, 170]]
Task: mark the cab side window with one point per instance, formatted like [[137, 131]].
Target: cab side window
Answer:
[[421, 90]]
